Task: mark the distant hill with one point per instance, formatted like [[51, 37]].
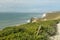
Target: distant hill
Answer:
[[52, 16], [47, 16]]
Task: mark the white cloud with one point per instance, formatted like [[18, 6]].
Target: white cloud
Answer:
[[29, 1], [26, 5]]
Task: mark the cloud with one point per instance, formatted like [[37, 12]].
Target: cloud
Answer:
[[28, 5], [29, 1]]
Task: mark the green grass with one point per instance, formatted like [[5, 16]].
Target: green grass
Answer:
[[28, 31]]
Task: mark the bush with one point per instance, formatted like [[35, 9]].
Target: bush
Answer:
[[28, 31]]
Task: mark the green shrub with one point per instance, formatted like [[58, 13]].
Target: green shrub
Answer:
[[28, 31]]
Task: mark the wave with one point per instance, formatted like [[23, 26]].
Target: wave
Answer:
[[28, 21], [44, 15]]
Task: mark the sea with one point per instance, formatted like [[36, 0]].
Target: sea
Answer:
[[12, 19]]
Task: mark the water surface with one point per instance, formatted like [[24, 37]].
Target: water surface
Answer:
[[9, 19]]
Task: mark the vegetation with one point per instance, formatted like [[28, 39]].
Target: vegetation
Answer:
[[29, 31], [53, 15]]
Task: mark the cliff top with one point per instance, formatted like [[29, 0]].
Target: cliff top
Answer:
[[53, 15]]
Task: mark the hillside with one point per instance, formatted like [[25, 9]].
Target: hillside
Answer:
[[38, 30], [30, 31], [52, 16], [47, 16]]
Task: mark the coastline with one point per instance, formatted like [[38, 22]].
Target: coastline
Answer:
[[28, 21], [38, 28], [18, 24], [16, 18]]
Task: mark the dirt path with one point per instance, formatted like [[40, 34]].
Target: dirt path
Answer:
[[57, 37]]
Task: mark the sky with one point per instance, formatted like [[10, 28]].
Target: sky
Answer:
[[29, 5]]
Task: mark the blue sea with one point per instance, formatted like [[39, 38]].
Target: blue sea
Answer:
[[11, 19]]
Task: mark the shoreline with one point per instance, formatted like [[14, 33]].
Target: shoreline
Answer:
[[15, 20], [18, 24]]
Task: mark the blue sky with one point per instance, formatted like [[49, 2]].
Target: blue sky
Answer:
[[29, 5]]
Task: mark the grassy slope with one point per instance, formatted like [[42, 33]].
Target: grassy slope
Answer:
[[55, 15], [28, 31]]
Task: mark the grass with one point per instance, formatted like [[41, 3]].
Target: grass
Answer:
[[28, 31], [53, 15]]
